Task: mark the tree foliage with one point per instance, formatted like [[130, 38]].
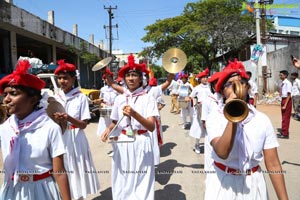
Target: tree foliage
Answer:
[[204, 29]]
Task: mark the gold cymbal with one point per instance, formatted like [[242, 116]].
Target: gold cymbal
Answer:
[[174, 60], [295, 61], [101, 64]]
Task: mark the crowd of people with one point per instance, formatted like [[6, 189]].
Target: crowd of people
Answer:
[[43, 160]]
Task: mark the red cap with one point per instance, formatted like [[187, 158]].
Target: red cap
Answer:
[[182, 75], [202, 74], [215, 76], [119, 79], [21, 77], [107, 72], [235, 67], [153, 82], [64, 67], [132, 66]]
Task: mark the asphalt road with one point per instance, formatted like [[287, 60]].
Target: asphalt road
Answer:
[[180, 175]]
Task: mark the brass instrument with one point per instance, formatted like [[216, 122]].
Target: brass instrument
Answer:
[[3, 113], [236, 110]]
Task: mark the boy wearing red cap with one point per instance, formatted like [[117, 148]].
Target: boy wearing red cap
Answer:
[[78, 159], [133, 173], [239, 147], [106, 101], [31, 142], [185, 86], [200, 92]]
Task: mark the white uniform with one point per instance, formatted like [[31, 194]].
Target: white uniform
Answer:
[[108, 94], [212, 102], [31, 151], [254, 134], [78, 160], [201, 91], [188, 111], [156, 92], [133, 173], [253, 88]]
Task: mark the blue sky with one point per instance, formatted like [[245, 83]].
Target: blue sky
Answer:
[[131, 16]]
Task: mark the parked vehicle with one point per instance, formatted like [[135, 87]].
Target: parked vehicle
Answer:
[[52, 88]]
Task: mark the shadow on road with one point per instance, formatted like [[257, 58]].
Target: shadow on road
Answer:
[[170, 192], [164, 170], [164, 127], [104, 195], [165, 150]]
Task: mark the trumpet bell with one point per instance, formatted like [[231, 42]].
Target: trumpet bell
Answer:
[[174, 60], [236, 110]]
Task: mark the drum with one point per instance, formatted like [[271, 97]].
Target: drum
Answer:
[[105, 112], [183, 92], [182, 103]]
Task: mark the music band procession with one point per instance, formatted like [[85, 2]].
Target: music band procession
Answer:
[[46, 154]]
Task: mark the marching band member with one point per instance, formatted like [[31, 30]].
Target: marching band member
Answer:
[[213, 102], [31, 142], [200, 92], [133, 173], [239, 147], [187, 111], [78, 160], [106, 100]]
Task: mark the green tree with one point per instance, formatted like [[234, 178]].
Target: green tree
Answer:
[[204, 29]]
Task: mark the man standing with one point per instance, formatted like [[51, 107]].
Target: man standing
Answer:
[[286, 104], [295, 95], [174, 92]]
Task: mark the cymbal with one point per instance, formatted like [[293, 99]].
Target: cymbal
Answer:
[[53, 107], [101, 64], [174, 60]]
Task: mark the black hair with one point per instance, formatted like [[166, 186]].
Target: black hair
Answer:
[[294, 74], [30, 92], [249, 74], [72, 74], [285, 72]]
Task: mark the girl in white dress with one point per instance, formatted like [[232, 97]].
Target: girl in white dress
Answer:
[[133, 163], [78, 160], [239, 147], [31, 143]]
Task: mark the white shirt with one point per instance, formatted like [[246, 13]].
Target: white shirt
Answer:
[[212, 102], [253, 88], [247, 150], [144, 104], [108, 94], [286, 87], [201, 91], [174, 87], [37, 146], [296, 87]]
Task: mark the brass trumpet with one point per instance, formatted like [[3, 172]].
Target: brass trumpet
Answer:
[[237, 109]]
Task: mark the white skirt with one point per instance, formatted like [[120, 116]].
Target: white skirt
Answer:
[[45, 189], [104, 122], [79, 164], [196, 131], [224, 186], [133, 173]]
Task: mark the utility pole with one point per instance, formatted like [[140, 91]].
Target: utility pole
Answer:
[[110, 26]]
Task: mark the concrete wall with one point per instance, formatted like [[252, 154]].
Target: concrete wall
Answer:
[[281, 60]]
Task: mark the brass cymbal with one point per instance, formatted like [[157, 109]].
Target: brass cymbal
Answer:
[[295, 61], [53, 107], [174, 60], [101, 64]]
